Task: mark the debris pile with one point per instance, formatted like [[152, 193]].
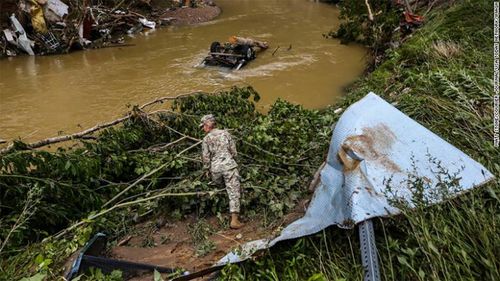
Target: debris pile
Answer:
[[42, 27]]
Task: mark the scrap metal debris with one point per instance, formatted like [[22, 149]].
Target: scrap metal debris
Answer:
[[41, 27]]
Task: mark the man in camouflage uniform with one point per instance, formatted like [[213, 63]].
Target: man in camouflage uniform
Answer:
[[218, 156]]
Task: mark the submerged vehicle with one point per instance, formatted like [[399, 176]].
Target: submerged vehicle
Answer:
[[235, 53]]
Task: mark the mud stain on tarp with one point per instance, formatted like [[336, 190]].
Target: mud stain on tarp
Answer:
[[373, 145]]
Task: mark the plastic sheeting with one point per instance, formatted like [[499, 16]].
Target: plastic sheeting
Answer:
[[22, 39], [375, 146]]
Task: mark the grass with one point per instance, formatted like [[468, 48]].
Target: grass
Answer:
[[442, 78]]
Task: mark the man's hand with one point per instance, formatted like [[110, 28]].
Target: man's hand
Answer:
[[206, 174]]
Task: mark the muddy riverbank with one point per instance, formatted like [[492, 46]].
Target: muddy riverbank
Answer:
[[187, 15]]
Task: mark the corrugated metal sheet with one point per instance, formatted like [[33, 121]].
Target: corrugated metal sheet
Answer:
[[374, 146]]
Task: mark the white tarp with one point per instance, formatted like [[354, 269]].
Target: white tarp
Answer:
[[373, 146]]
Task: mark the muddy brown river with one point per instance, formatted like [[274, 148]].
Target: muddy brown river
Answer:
[[44, 96]]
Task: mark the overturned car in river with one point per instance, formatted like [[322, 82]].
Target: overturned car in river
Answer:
[[233, 54]]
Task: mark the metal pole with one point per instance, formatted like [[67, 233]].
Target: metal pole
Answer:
[[369, 255]]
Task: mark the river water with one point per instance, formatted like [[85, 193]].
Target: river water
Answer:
[[45, 96]]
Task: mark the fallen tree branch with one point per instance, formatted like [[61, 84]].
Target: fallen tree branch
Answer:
[[177, 132], [263, 150], [429, 7], [152, 172], [159, 147], [130, 203], [30, 205], [162, 99], [47, 180], [170, 128], [408, 7], [68, 137], [98, 127], [81, 134], [275, 50]]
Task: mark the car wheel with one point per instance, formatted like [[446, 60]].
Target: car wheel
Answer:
[[248, 52], [214, 48]]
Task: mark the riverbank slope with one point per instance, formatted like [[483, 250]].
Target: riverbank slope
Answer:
[[441, 76]]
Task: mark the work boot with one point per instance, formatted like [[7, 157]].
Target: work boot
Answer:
[[235, 221]]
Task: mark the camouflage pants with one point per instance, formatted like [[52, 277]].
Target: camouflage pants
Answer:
[[232, 182]]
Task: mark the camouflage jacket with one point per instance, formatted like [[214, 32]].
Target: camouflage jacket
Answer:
[[219, 151]]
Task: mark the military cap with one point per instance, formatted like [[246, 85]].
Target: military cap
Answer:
[[207, 118]]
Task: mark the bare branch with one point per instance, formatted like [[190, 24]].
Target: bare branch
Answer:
[[67, 137], [30, 205], [408, 7], [162, 99], [125, 204], [98, 127], [370, 14], [152, 172]]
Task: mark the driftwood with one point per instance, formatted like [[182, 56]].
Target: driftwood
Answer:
[[84, 134], [275, 50], [116, 46]]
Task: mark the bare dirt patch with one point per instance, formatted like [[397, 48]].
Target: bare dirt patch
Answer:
[[172, 245], [186, 16]]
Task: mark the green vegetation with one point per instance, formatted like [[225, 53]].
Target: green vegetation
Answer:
[[440, 76], [357, 26], [200, 231], [73, 184]]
